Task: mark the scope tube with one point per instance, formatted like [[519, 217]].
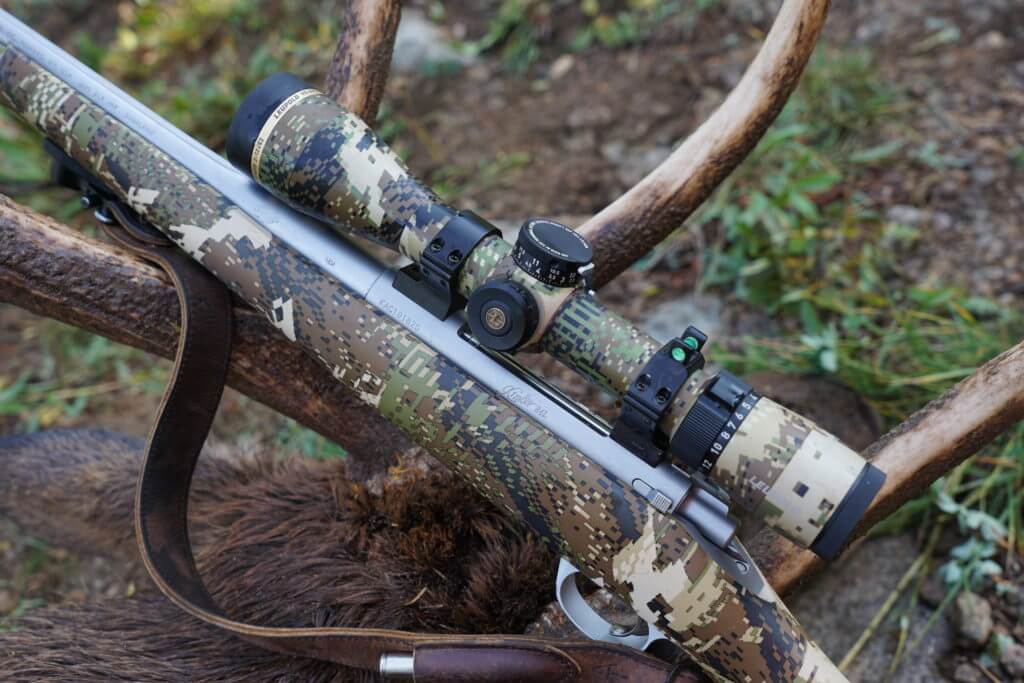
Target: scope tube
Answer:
[[778, 467], [572, 502]]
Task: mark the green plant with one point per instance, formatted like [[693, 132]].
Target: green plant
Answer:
[[294, 437], [513, 31], [72, 371]]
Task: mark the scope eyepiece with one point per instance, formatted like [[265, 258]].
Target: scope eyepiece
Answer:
[[797, 478]]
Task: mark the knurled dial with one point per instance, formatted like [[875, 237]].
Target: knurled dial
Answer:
[[551, 252]]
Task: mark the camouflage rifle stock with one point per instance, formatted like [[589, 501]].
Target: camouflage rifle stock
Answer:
[[530, 454], [777, 466]]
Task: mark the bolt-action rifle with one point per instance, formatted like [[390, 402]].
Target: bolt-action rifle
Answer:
[[641, 506]]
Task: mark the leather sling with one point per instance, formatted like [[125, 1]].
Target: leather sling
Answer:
[[161, 528]]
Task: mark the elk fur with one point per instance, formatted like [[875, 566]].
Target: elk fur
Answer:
[[290, 542]]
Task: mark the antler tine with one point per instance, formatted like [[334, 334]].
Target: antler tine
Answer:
[[927, 445], [362, 58], [634, 223]]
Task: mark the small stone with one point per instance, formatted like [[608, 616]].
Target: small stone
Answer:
[[933, 590], [420, 43], [907, 215], [1012, 659], [993, 40], [561, 66], [983, 175], [633, 163], [972, 617], [590, 116], [942, 221], [8, 601], [966, 673]]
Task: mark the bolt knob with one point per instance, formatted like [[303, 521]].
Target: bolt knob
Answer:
[[551, 252]]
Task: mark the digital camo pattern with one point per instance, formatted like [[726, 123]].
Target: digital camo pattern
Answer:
[[789, 472], [324, 160], [575, 505]]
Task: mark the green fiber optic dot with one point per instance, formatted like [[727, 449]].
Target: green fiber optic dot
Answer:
[[691, 342], [678, 354]]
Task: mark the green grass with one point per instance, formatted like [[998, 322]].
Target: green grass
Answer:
[[72, 372], [521, 29]]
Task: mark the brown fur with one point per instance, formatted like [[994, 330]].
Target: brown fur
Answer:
[[289, 543]]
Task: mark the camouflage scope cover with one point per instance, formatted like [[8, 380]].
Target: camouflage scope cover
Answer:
[[577, 507], [318, 157]]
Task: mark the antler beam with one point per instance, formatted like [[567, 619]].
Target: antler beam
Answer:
[[930, 443], [59, 273], [362, 58], [634, 223]]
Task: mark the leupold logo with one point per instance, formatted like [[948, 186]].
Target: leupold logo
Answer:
[[514, 394]]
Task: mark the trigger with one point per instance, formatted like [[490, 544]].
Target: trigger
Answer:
[[593, 625]]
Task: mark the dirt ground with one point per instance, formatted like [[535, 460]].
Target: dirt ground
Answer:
[[573, 132]]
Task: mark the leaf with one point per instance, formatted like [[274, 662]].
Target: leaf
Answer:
[[829, 360], [946, 503], [951, 573], [804, 206], [877, 153], [816, 182], [989, 568]]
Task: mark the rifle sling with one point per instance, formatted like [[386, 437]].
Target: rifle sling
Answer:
[[161, 527]]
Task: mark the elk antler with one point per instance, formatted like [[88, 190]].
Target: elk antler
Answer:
[[57, 272], [930, 443], [359, 68], [634, 223]]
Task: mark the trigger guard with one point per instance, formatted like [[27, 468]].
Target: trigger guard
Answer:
[[586, 619]]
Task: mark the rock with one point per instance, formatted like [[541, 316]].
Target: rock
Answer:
[[8, 601], [1012, 659], [420, 43], [671, 317], [992, 40], [984, 175], [966, 673], [972, 617], [942, 221], [561, 67], [933, 590], [591, 116], [908, 215], [633, 163]]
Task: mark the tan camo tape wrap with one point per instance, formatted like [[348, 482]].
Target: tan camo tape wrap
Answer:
[[790, 472]]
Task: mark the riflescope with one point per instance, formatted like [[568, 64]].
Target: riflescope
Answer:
[[779, 467]]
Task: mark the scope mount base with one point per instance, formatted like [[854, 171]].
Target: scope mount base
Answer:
[[651, 394], [433, 283]]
